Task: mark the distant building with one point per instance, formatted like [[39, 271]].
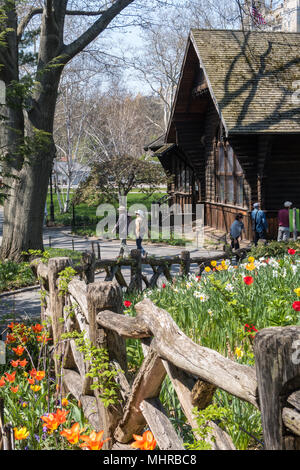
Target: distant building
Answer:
[[64, 172], [234, 133], [279, 15], [284, 17]]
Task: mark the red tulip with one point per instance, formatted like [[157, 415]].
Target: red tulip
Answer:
[[248, 280], [296, 306], [164, 286], [291, 251], [127, 303]]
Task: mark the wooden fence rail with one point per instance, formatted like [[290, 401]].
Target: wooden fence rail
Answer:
[[138, 280], [273, 385]]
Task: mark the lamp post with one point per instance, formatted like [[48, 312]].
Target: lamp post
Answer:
[[52, 218]]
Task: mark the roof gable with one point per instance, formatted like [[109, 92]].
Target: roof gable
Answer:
[[252, 77]]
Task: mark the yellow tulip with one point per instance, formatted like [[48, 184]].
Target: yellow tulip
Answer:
[[21, 433]]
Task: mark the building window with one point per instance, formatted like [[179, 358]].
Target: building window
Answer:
[[230, 177]]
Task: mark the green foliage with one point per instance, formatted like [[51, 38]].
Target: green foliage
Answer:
[[212, 413], [99, 368], [64, 279], [273, 249], [15, 275]]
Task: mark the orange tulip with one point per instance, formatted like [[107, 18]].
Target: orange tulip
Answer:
[[51, 422], [37, 328], [14, 389], [10, 377], [43, 339], [73, 434], [40, 375], [14, 363], [19, 350], [31, 381], [93, 441], [61, 415], [23, 363], [32, 373], [144, 442], [2, 381], [10, 338]]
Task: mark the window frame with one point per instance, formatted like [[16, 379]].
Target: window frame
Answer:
[[235, 172]]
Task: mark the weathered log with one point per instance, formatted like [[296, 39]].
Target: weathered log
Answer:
[[78, 290], [202, 394], [154, 278], [107, 296], [88, 264], [174, 346], [147, 384], [1, 423], [185, 263], [160, 425], [56, 306], [291, 419], [278, 375], [74, 384], [119, 446], [122, 381], [294, 400], [136, 281], [183, 385], [120, 278], [124, 325]]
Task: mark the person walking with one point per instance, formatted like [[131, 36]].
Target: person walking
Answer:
[[259, 223], [284, 222], [140, 231], [122, 225], [236, 231]]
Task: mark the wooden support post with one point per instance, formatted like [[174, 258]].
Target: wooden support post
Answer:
[[136, 282], [185, 263], [160, 425], [1, 423], [278, 375], [56, 306], [106, 296], [88, 261]]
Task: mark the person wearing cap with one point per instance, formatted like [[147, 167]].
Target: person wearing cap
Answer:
[[236, 230], [140, 230], [122, 225], [284, 222], [259, 223]]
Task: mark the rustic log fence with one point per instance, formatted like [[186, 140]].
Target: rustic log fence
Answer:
[[273, 386], [135, 263]]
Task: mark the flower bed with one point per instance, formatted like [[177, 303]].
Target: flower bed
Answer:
[[223, 310]]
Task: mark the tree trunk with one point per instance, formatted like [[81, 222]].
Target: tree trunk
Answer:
[[24, 209]]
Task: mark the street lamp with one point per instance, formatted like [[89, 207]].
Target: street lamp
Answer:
[[52, 219]]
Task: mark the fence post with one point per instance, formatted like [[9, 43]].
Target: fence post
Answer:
[[278, 376], [106, 296], [88, 262], [136, 280], [56, 305], [185, 263]]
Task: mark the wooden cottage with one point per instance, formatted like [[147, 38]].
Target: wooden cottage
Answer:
[[234, 133]]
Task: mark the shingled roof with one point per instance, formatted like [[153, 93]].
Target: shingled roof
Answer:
[[251, 77]]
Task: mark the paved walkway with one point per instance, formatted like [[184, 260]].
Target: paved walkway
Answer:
[[27, 304]]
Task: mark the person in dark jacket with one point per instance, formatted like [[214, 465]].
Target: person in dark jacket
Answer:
[[259, 223], [236, 231]]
